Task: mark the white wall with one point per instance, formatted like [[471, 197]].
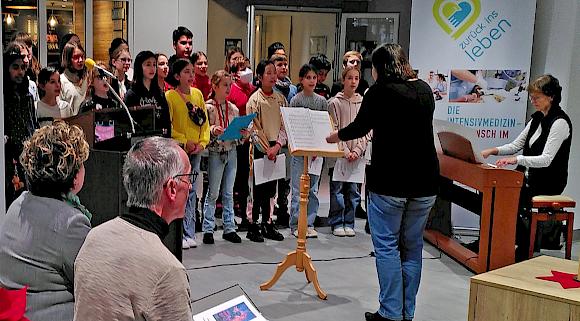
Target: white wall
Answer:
[[556, 50], [154, 22]]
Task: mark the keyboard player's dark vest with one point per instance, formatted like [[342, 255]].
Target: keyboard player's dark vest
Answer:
[[549, 180]]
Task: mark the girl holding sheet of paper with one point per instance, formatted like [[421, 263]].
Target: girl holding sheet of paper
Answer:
[[269, 137], [345, 196], [222, 162], [307, 98]]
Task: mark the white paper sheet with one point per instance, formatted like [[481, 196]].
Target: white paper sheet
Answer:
[[266, 170], [236, 309], [307, 129], [345, 171], [315, 166]]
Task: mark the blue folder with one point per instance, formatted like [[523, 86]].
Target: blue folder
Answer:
[[233, 130]]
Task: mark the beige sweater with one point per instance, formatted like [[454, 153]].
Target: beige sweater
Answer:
[[123, 272], [269, 115]]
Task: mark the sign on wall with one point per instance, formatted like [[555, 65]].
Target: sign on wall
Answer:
[[475, 55]]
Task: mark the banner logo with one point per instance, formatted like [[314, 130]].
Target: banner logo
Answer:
[[455, 17]]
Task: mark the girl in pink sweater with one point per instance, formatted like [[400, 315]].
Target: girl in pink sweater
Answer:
[[345, 196]]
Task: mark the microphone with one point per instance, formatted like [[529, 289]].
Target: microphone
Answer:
[[90, 64]]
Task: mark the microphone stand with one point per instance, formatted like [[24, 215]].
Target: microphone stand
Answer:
[[122, 104]]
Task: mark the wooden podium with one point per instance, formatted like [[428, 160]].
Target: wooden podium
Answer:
[[294, 121]]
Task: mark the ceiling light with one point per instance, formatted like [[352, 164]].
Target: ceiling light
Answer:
[[9, 19]]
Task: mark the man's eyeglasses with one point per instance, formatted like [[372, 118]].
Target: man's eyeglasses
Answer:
[[180, 177], [192, 177]]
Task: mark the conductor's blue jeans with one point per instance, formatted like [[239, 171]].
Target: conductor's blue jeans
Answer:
[[397, 226]]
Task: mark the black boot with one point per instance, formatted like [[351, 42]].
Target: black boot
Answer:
[[208, 238], [270, 232], [244, 224], [282, 217], [254, 233]]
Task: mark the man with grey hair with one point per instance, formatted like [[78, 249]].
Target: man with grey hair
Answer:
[[123, 271]]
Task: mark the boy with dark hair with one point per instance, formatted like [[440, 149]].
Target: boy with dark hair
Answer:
[[182, 42], [276, 48], [19, 117], [183, 46], [323, 65]]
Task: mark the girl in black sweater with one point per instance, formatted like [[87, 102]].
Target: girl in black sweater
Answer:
[[146, 92]]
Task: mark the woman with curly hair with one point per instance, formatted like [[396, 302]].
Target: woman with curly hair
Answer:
[[44, 228]]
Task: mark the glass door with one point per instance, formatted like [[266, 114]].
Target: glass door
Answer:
[[363, 32]]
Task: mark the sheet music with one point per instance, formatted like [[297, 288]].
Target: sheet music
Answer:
[[315, 166], [345, 171], [266, 170], [299, 124], [307, 129]]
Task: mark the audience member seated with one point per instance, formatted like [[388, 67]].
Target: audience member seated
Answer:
[[44, 228], [123, 271]]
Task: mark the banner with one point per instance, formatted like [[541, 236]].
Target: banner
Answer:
[[475, 55]]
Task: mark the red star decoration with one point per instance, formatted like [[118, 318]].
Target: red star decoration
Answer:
[[566, 280], [13, 304]]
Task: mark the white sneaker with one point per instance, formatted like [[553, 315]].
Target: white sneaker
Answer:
[[348, 231], [191, 242], [311, 233], [338, 231], [295, 233], [184, 244]]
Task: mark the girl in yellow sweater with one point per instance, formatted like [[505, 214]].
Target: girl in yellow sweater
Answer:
[[190, 127]]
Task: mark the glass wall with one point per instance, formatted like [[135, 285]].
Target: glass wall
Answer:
[[20, 16], [363, 32]]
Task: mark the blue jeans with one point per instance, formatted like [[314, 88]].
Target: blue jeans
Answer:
[[344, 199], [191, 206], [221, 171], [296, 169], [397, 226]]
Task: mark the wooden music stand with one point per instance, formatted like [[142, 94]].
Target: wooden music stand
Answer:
[[299, 257]]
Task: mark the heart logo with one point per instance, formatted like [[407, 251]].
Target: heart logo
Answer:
[[455, 17]]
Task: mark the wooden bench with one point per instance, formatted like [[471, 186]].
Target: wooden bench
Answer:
[[548, 208]]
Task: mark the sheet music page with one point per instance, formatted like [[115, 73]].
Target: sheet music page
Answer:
[[322, 128], [345, 171], [315, 166], [266, 170], [298, 127], [307, 129]]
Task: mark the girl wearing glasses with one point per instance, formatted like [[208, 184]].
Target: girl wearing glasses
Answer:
[[190, 128], [121, 61]]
